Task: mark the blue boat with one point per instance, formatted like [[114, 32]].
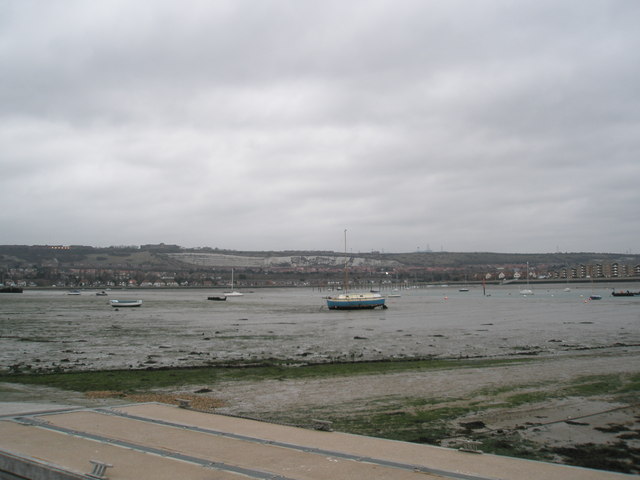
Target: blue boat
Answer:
[[355, 301]]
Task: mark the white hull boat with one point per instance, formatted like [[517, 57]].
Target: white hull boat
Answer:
[[125, 303]]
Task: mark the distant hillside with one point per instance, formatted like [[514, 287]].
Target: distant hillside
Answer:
[[173, 257], [281, 260], [458, 259]]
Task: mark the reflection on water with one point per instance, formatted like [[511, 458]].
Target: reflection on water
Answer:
[[45, 329]]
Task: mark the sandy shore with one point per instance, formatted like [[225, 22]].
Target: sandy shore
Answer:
[[274, 395]]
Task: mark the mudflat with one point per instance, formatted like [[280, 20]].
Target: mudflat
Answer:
[[564, 387]]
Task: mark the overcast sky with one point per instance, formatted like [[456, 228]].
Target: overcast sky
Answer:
[[484, 125]]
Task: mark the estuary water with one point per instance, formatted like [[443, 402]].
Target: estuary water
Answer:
[[41, 330]]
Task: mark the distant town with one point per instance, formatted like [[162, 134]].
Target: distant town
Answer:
[[162, 266]]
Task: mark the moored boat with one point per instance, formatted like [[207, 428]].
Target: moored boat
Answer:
[[526, 291], [355, 301], [232, 293], [624, 294], [219, 298], [125, 303], [10, 289]]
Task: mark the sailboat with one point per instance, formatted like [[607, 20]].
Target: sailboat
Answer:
[[527, 291], [232, 293], [353, 301], [567, 289], [594, 296]]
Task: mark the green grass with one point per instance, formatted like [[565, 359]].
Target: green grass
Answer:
[[587, 386], [420, 426], [618, 457], [136, 380], [429, 419], [614, 384], [511, 445], [495, 391], [529, 397]]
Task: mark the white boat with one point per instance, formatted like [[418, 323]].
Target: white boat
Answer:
[[125, 303], [353, 301], [232, 293], [526, 291]]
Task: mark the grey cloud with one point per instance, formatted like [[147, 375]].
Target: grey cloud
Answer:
[[471, 125]]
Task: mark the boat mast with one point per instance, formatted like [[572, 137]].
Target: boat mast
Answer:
[[345, 287]]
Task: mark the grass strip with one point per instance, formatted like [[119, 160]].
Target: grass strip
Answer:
[[429, 420], [139, 380]]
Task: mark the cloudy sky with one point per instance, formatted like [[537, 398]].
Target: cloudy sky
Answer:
[[481, 125]]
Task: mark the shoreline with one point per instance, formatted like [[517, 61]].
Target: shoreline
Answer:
[[530, 353], [542, 407], [415, 285]]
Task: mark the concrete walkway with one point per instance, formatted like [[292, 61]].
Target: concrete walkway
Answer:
[[157, 441]]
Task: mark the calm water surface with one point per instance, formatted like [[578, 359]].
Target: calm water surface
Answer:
[[49, 329]]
